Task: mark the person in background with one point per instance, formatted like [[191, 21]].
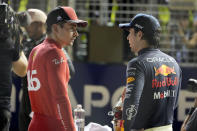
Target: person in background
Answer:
[[36, 31], [48, 73], [190, 122], [11, 59], [153, 79], [178, 48], [191, 42]]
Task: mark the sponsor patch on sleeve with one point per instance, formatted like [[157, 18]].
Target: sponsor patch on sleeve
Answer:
[[130, 79], [58, 61], [131, 112], [131, 72]]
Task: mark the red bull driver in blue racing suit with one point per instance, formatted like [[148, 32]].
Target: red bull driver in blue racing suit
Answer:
[[153, 79]]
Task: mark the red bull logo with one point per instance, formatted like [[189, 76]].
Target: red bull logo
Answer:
[[166, 82], [164, 70]]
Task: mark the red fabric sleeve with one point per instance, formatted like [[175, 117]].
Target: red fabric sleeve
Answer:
[[58, 77]]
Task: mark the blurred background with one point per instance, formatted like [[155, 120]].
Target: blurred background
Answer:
[[101, 52]]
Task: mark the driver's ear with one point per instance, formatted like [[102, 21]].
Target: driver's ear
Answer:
[[54, 28], [140, 34]]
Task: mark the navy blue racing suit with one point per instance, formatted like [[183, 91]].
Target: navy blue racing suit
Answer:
[[153, 83]]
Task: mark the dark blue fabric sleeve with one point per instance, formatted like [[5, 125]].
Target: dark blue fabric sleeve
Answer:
[[134, 88]]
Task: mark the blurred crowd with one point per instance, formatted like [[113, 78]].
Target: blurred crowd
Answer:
[[181, 40]]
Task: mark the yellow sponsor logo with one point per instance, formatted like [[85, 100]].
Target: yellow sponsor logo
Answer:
[[130, 79], [164, 70], [34, 55]]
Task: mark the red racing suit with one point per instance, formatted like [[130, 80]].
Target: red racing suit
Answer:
[[153, 83], [48, 76]]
